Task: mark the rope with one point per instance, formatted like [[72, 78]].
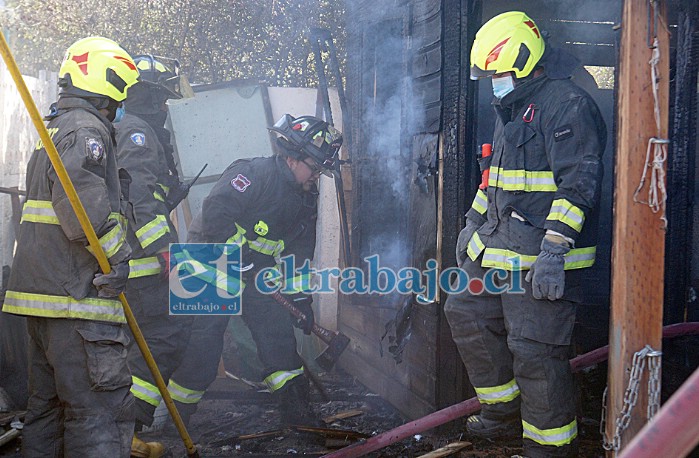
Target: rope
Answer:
[[657, 194]]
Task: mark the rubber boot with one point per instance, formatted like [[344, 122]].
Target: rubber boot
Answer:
[[484, 428], [140, 449], [294, 403]]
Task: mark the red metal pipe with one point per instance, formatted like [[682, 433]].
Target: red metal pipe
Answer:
[[674, 431], [432, 420], [597, 356], [472, 405]]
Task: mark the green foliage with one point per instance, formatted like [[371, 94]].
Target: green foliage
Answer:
[[214, 40]]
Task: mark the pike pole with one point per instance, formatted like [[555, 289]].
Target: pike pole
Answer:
[[92, 238]]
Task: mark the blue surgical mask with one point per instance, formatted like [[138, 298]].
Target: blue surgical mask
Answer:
[[119, 113], [503, 86]]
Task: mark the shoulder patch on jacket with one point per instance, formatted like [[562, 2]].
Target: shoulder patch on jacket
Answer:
[[240, 183], [138, 138], [563, 132], [94, 149]]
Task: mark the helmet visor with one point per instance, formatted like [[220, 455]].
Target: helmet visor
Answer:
[[281, 123], [477, 73], [161, 70]]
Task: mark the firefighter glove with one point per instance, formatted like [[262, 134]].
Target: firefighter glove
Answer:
[[547, 274], [303, 303], [113, 283], [462, 243]]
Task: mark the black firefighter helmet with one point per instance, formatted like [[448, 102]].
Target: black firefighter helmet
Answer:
[[308, 136], [159, 80]]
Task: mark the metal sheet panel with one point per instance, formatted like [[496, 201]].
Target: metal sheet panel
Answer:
[[220, 124]]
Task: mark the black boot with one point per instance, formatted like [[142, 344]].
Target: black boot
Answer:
[[294, 403]]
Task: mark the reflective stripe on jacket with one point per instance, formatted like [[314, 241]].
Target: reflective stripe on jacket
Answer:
[[141, 154], [545, 174], [258, 204], [53, 266]]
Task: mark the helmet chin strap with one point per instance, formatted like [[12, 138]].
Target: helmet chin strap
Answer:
[[526, 79]]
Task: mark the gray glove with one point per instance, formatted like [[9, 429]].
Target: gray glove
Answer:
[[547, 274], [464, 237], [113, 283]]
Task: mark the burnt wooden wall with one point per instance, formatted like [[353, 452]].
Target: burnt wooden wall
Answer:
[[440, 108], [395, 51]]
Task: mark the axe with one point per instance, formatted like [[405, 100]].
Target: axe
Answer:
[[335, 340]]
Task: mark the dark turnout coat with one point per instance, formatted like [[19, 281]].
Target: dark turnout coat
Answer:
[[143, 156], [545, 174], [53, 267]]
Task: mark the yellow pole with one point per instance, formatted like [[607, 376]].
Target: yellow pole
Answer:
[[92, 238]]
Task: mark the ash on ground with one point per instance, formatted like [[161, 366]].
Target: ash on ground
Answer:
[[236, 420]]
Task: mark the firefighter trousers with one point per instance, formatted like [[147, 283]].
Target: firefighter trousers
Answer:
[[516, 350], [79, 400], [166, 335], [272, 331]]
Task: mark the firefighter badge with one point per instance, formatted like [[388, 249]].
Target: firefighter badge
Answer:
[[240, 183], [94, 149], [138, 138]]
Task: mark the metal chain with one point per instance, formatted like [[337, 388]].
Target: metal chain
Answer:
[[638, 364], [654, 379], [603, 422]]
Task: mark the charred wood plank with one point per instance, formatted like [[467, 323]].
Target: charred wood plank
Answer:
[[447, 450]]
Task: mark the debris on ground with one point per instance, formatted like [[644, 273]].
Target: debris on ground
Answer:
[[11, 423], [236, 420]]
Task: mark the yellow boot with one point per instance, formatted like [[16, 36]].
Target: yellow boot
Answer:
[[140, 449]]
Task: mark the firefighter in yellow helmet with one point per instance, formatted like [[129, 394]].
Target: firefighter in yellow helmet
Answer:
[[537, 216], [79, 380]]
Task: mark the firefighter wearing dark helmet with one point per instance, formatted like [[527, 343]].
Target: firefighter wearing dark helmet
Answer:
[[163, 81], [79, 380], [144, 151], [267, 204], [538, 216]]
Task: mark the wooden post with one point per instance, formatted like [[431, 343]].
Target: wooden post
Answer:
[[639, 239], [440, 210]]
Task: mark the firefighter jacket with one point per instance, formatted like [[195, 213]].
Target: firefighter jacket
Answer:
[[545, 175], [258, 204], [142, 155], [53, 265]]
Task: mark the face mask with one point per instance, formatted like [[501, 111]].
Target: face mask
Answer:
[[502, 86], [119, 113]]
